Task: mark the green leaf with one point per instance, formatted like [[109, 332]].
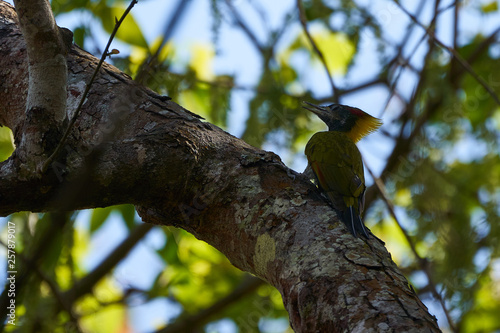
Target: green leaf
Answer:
[[99, 215], [64, 6], [128, 214], [6, 143], [169, 251], [129, 31], [44, 227], [79, 36], [108, 319], [316, 9], [489, 7]]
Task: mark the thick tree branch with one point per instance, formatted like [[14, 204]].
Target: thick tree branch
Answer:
[[46, 102], [47, 57], [73, 119], [178, 170], [423, 263]]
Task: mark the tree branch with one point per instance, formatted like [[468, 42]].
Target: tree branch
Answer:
[[178, 170], [454, 54], [33, 258], [303, 22], [188, 323], [85, 285], [151, 62], [105, 54], [422, 262], [239, 21], [46, 101]]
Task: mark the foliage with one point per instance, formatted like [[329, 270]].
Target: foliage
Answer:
[[439, 148]]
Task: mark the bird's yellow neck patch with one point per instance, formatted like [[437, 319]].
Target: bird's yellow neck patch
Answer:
[[365, 124]]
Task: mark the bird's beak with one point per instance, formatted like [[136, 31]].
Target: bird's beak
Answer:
[[316, 109]]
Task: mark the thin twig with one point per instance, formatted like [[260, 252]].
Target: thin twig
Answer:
[[303, 22], [86, 284], [451, 5], [86, 92], [398, 56], [364, 85], [410, 106], [52, 285], [37, 251], [189, 323], [402, 146], [150, 62], [454, 53], [244, 27], [423, 263]]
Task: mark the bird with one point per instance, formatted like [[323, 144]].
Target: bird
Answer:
[[336, 162]]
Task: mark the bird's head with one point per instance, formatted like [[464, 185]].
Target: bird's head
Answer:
[[342, 118]]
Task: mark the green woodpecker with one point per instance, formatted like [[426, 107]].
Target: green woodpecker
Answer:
[[336, 161]]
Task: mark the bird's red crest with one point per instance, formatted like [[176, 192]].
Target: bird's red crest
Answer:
[[355, 111]]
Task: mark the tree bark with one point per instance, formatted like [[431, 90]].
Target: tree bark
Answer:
[[47, 66], [131, 145]]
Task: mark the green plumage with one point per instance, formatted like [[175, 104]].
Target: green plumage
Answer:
[[337, 164], [336, 161]]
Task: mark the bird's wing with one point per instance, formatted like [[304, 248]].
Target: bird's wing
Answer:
[[337, 163]]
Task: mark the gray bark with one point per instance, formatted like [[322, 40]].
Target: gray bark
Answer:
[[45, 106]]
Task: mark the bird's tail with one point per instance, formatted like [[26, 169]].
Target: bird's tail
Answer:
[[352, 220]]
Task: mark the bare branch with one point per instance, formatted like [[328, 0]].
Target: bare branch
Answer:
[[86, 284], [150, 62], [45, 109], [47, 58], [303, 21], [423, 263], [188, 323], [397, 58], [454, 53], [105, 54], [245, 28]]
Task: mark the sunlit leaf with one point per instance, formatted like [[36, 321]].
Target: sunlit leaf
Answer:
[[129, 31], [79, 35], [99, 215], [483, 316], [6, 143], [64, 6], [201, 61], [336, 49], [110, 319], [128, 215], [489, 7]]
